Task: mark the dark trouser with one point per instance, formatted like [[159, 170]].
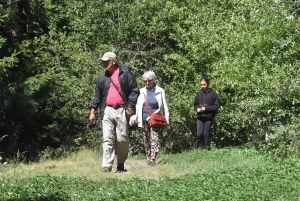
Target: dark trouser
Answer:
[[204, 131]]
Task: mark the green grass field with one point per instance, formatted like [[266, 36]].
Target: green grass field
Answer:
[[221, 174]]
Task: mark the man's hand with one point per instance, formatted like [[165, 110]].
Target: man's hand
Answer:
[[129, 112], [92, 117]]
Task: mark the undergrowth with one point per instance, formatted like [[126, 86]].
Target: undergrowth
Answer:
[[230, 174]]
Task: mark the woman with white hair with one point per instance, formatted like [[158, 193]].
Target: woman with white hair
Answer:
[[156, 99]]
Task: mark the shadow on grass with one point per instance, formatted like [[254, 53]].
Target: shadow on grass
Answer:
[[52, 197]]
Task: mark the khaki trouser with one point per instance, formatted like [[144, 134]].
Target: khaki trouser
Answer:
[[114, 120]]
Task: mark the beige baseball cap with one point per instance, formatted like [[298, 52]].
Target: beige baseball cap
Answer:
[[108, 56]]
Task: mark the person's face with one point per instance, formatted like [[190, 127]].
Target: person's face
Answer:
[[204, 85], [109, 65], [148, 83]]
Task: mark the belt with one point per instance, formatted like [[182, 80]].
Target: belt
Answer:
[[115, 106]]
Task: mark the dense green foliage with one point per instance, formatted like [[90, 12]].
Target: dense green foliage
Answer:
[[49, 64], [233, 175]]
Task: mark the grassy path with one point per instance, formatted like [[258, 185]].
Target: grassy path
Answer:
[[225, 174]]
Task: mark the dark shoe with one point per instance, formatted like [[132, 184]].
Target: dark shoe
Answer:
[[106, 169], [120, 168]]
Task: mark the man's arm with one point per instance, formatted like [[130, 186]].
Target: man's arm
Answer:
[[133, 90], [92, 117], [96, 102]]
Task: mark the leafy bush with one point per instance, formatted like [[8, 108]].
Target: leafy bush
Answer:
[[283, 141], [248, 49]]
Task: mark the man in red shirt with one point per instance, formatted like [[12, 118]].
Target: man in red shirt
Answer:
[[116, 94]]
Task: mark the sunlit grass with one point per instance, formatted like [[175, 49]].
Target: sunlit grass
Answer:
[[220, 174], [87, 163]]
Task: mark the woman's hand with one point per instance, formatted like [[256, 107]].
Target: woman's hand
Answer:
[[202, 109], [131, 122]]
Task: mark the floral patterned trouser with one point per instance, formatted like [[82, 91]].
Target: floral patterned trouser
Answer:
[[151, 141]]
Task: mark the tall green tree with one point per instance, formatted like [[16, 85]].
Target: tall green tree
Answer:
[[49, 65]]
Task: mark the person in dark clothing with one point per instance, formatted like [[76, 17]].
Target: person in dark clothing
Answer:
[[206, 104], [116, 94]]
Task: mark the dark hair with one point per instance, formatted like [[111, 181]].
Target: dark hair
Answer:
[[205, 79]]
